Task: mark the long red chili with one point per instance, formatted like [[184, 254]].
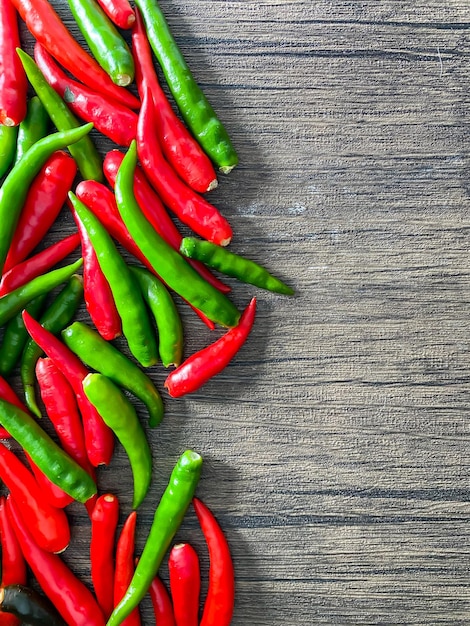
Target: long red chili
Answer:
[[124, 566], [99, 439], [180, 148], [112, 119], [13, 82], [119, 12], [46, 27], [201, 366], [52, 493], [155, 212], [68, 594], [185, 584], [13, 564], [219, 603], [49, 526], [45, 198], [38, 264], [98, 296], [104, 521], [161, 602], [191, 208]]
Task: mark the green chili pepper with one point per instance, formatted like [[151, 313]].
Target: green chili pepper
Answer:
[[167, 262], [51, 459], [16, 336], [15, 187], [193, 104], [167, 318], [54, 319], [8, 138], [34, 127], [167, 520], [105, 358], [105, 42], [13, 302], [136, 324], [84, 152], [119, 414], [232, 264]]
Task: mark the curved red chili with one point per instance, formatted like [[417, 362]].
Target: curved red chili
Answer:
[[119, 12], [99, 439], [200, 367], [13, 566], [124, 566], [13, 81], [219, 603], [180, 148], [46, 196], [161, 602], [38, 264], [46, 27], [49, 526], [99, 299], [68, 594], [104, 521], [52, 493], [191, 208], [185, 584], [112, 119]]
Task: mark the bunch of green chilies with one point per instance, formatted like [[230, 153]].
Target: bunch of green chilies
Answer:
[[119, 203]]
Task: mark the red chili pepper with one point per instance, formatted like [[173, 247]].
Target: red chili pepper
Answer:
[[49, 526], [191, 208], [46, 27], [104, 520], [98, 296], [119, 12], [180, 148], [99, 439], [68, 594], [185, 584], [124, 568], [38, 264], [203, 365], [13, 82], [13, 563], [45, 198], [54, 495], [219, 604], [161, 601], [112, 119]]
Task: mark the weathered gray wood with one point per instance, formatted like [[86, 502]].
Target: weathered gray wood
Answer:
[[337, 442]]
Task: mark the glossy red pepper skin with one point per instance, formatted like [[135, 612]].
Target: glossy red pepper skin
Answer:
[[46, 27], [13, 82], [119, 12], [220, 599], [104, 521], [180, 148], [38, 264], [67, 593], [49, 526], [185, 584], [53, 494], [191, 208], [45, 198], [200, 367], [113, 120], [155, 212], [124, 566], [98, 296], [161, 602], [13, 563], [99, 439]]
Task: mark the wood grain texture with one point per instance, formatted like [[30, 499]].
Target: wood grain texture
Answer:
[[336, 445]]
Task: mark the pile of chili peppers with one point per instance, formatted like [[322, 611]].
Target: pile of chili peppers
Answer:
[[123, 204]]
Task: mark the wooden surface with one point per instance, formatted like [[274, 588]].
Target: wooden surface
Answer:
[[336, 445]]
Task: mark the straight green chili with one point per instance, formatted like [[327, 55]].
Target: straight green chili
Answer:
[[34, 126], [166, 522], [8, 139], [105, 358], [167, 262]]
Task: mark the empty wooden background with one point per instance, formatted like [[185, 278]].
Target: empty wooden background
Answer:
[[336, 445]]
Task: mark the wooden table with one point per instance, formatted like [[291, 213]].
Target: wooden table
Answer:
[[336, 444]]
